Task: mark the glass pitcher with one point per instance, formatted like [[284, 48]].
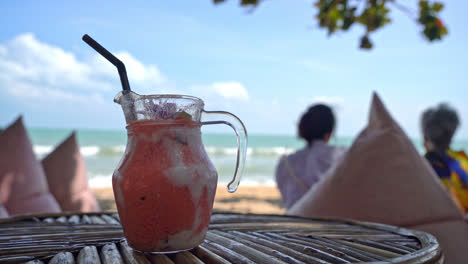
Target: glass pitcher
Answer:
[[164, 185]]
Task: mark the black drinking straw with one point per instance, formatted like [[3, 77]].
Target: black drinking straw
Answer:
[[106, 54]]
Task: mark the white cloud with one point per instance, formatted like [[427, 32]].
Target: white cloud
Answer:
[[232, 90], [29, 91], [26, 59], [33, 69], [3, 51], [227, 90], [39, 76], [138, 73]]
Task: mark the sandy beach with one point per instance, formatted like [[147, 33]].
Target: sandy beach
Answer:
[[247, 199]]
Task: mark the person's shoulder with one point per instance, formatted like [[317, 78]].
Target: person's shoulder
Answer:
[[292, 158], [338, 148], [282, 164], [297, 154], [439, 161], [336, 151], [284, 158], [433, 155]]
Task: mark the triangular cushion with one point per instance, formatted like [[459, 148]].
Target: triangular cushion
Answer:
[[23, 185], [382, 179], [3, 212], [452, 237], [66, 174]]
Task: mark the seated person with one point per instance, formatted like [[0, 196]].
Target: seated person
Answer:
[[438, 126], [297, 172]]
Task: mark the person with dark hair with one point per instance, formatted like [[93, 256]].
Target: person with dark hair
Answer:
[[297, 172], [438, 126]]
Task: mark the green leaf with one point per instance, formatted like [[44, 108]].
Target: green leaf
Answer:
[[437, 7], [443, 31], [423, 4], [365, 43], [432, 33], [250, 2], [340, 15], [347, 22]]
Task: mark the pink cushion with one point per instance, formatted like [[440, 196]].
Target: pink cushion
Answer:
[[3, 212], [66, 174], [23, 185], [452, 237], [381, 179]]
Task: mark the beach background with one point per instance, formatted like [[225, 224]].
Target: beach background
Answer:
[[243, 60], [257, 193]]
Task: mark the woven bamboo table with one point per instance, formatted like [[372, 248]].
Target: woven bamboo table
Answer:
[[232, 238]]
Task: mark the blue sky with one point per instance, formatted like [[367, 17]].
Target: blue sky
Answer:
[[265, 66]]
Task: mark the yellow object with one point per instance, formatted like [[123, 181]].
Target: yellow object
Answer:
[[452, 169], [458, 176]]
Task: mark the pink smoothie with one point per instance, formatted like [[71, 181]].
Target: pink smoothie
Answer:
[[164, 186]]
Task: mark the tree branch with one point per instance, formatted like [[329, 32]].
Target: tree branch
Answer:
[[410, 13]]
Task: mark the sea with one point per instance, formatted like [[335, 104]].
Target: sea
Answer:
[[103, 149]]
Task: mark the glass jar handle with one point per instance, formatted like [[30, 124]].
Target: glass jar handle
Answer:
[[222, 117]]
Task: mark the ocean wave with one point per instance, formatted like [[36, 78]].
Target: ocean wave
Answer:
[[112, 150], [42, 150], [255, 181], [272, 151], [105, 180], [118, 150], [86, 151], [277, 151], [89, 151], [99, 180], [221, 151]]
